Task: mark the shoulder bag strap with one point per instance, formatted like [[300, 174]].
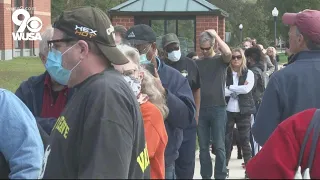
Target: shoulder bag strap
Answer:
[[315, 137]]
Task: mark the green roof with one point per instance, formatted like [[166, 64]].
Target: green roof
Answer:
[[167, 7]]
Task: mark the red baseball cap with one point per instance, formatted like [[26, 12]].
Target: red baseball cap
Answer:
[[307, 21]]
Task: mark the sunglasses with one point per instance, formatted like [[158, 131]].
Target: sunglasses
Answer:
[[237, 57], [207, 49]]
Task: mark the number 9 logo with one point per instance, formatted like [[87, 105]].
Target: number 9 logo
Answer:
[[35, 22]]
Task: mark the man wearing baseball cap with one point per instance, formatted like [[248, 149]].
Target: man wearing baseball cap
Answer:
[[100, 133], [184, 165], [174, 87], [296, 87]]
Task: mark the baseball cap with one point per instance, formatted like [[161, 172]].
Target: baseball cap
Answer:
[[307, 21], [169, 39], [91, 24], [140, 34]]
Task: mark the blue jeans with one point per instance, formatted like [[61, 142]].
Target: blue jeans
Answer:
[[170, 172], [213, 118]]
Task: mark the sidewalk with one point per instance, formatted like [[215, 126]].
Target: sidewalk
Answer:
[[235, 169]]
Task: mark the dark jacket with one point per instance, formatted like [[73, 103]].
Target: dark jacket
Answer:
[[246, 102], [259, 84], [31, 93], [181, 106], [290, 90]]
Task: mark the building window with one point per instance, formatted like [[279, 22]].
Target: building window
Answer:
[[17, 44], [18, 3], [184, 28]]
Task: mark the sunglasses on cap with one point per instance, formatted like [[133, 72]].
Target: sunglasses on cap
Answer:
[[237, 57]]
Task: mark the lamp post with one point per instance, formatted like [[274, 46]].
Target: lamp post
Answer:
[[240, 28], [275, 14]]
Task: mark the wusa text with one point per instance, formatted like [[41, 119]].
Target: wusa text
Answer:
[[33, 24]]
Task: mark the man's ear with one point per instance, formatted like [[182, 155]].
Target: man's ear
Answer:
[[141, 76], [43, 59], [84, 48]]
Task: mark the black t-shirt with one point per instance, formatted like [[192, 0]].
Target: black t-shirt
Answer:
[[100, 134], [189, 69], [213, 78]]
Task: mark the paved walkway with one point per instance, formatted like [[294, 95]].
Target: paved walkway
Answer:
[[236, 171]]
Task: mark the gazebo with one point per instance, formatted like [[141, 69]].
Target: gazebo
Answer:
[[186, 18]]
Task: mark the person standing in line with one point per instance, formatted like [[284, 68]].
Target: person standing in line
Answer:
[[43, 95], [173, 86], [296, 87], [100, 134], [185, 164], [21, 148], [212, 115], [240, 103], [274, 57], [255, 64], [153, 108]]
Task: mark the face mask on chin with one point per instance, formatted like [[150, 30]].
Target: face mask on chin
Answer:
[[55, 68], [174, 56]]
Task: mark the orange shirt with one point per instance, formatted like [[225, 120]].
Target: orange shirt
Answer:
[[156, 137]]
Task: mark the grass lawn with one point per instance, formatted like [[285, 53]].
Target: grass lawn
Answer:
[[283, 59], [13, 72]]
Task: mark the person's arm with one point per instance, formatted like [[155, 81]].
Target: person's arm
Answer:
[[151, 132], [278, 158], [227, 92], [244, 89], [197, 100], [270, 66], [223, 47], [20, 141], [269, 113], [181, 103]]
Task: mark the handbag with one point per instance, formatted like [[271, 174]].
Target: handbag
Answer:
[[315, 126]]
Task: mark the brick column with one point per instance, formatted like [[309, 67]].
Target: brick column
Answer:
[[5, 30], [203, 23], [126, 21], [222, 28]]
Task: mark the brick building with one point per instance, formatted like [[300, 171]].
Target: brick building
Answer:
[[186, 18], [10, 48]]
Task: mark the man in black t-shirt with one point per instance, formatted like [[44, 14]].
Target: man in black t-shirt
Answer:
[[100, 134], [185, 164], [212, 117]]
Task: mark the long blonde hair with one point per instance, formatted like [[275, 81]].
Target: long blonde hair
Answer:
[[148, 84], [243, 60]]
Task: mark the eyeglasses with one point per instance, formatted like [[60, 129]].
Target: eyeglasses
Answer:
[[207, 49], [52, 45], [236, 57]]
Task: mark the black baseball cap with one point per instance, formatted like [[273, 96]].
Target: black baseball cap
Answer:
[[141, 34], [91, 24]]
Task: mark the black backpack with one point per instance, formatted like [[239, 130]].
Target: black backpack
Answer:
[[315, 126]]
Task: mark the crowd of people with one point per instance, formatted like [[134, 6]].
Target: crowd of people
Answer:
[[111, 104]]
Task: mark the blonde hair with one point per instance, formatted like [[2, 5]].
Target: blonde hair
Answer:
[[244, 61], [274, 51], [148, 84]]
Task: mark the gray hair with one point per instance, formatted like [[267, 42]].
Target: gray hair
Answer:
[[148, 84], [206, 37], [131, 53], [43, 45]]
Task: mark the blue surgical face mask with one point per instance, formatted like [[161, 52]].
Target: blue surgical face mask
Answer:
[[143, 57], [55, 68]]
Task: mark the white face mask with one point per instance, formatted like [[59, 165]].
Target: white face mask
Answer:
[[174, 55]]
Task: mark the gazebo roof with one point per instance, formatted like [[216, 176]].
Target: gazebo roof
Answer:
[[167, 7]]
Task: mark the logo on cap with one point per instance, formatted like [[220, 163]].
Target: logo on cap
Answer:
[[85, 31], [110, 30], [131, 35]]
